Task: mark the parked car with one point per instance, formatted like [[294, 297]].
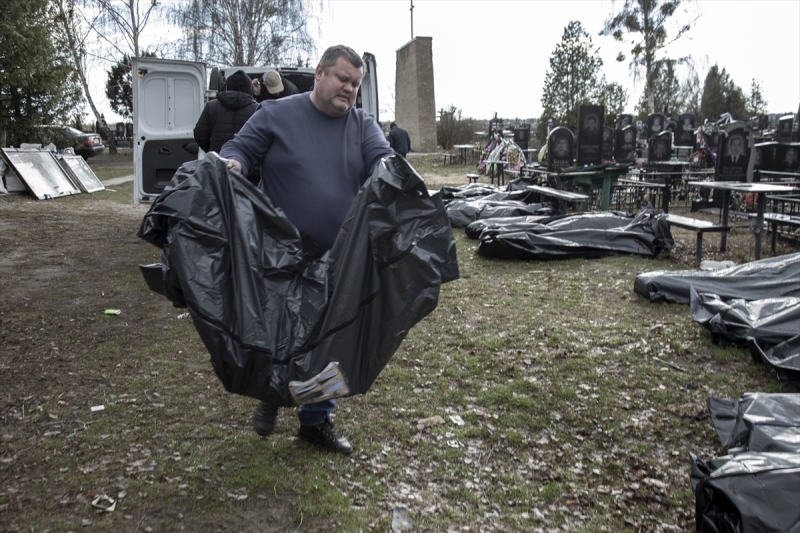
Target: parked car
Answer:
[[85, 145]]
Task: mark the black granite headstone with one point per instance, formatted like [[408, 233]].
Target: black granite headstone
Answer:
[[560, 148], [784, 131], [660, 147], [608, 143], [765, 155], [656, 123], [763, 122], [625, 145], [590, 134], [522, 135], [736, 145], [787, 156], [685, 135], [622, 121]]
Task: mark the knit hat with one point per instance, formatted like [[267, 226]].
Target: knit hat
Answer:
[[272, 81], [239, 81]]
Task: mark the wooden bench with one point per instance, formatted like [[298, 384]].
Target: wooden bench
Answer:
[[450, 158], [778, 219], [557, 194], [699, 227], [473, 178]]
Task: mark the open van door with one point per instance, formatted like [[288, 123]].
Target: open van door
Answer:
[[168, 97], [369, 87]]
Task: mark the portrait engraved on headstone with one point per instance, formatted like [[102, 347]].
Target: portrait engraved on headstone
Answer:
[[560, 148], [786, 157], [736, 146], [625, 145], [623, 121], [655, 124], [608, 143], [660, 147], [590, 134], [685, 135], [784, 132]]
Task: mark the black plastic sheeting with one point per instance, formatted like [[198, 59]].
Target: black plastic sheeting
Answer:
[[269, 309], [463, 212], [758, 422], [782, 359], [774, 277], [747, 493], [768, 321], [545, 223], [587, 236], [473, 190]]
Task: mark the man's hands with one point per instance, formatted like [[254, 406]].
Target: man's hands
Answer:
[[256, 87], [235, 165]]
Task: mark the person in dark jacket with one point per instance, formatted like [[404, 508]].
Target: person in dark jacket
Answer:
[[399, 139], [222, 118], [273, 85]]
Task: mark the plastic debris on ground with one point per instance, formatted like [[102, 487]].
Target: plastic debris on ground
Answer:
[[782, 359], [758, 422], [768, 321], [774, 277], [268, 306]]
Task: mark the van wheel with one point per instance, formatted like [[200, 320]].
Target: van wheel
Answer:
[[215, 81]]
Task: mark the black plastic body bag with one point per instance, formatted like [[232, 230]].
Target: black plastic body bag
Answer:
[[269, 308]]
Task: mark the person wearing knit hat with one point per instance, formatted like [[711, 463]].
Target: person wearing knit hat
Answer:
[[223, 117], [273, 85]]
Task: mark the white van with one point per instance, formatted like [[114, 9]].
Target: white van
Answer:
[[168, 97]]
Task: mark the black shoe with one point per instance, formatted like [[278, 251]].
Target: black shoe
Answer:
[[327, 436], [264, 418]]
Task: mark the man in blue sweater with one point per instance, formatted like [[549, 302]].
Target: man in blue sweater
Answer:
[[315, 151]]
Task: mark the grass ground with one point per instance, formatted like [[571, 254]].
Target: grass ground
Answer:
[[580, 400]]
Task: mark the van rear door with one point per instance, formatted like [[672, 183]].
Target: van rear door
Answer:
[[168, 97], [369, 87]]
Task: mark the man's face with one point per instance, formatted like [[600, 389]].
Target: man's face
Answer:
[[335, 91], [736, 146], [659, 150], [561, 146], [790, 155]]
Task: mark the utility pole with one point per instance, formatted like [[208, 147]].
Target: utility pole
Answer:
[[412, 19]]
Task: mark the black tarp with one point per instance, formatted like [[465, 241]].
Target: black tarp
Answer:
[[774, 277], [758, 422], [768, 321], [463, 211], [645, 234], [782, 359], [269, 309], [747, 493], [550, 223], [472, 190]]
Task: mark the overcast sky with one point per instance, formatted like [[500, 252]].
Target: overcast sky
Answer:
[[491, 56]]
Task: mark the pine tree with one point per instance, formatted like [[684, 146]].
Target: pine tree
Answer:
[[574, 78], [719, 91]]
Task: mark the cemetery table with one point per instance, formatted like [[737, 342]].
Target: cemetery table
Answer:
[[601, 179], [462, 156], [761, 189]]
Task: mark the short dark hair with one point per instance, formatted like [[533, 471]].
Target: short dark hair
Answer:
[[333, 54], [392, 125]]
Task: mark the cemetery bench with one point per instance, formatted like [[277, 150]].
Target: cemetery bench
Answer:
[[775, 221], [563, 198], [473, 178], [450, 158], [699, 227], [654, 188]]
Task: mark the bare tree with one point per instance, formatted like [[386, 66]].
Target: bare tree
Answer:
[[74, 28], [648, 19], [127, 20], [244, 32]]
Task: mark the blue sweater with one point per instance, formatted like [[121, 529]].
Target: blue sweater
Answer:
[[312, 165]]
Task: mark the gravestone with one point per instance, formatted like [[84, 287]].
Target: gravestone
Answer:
[[607, 148], [763, 122], [625, 145], [672, 125], [656, 123], [786, 157], [784, 132], [559, 148], [765, 155], [660, 147], [590, 134], [734, 161], [685, 135], [522, 135], [623, 121]]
